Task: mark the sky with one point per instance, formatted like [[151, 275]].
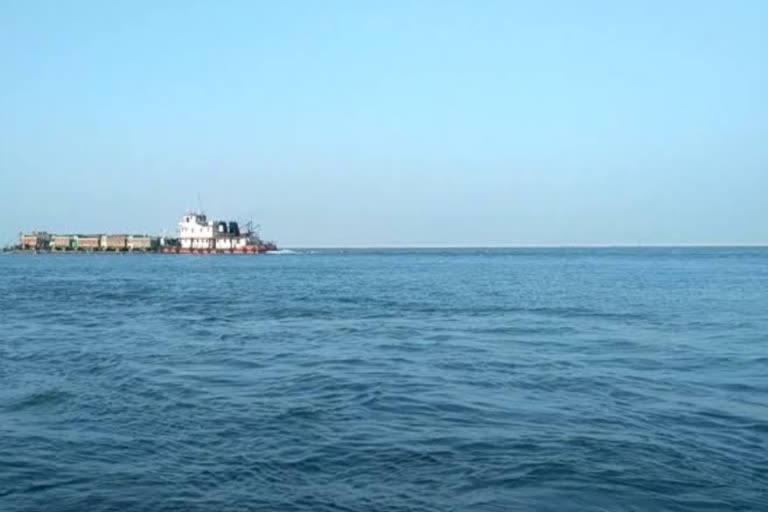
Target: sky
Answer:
[[389, 123]]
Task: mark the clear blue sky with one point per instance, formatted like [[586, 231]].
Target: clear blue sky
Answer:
[[381, 123]]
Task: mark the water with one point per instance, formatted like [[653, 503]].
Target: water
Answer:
[[632, 379]]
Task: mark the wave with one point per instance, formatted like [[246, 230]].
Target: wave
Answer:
[[280, 252]]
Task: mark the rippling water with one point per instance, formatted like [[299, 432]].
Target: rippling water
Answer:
[[633, 379]]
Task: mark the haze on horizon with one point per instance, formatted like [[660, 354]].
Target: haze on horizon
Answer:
[[345, 123]]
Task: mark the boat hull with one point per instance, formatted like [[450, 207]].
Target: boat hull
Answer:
[[250, 249]]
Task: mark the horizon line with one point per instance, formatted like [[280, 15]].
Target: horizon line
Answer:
[[534, 246]]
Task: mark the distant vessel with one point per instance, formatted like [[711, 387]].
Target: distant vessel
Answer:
[[195, 234]]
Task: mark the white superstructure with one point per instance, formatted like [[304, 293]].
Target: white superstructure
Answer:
[[197, 232]]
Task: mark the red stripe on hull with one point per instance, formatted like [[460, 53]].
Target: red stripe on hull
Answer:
[[244, 250]]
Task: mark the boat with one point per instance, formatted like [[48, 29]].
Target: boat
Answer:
[[197, 234]]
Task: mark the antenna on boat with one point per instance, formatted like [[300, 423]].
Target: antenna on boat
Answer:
[[200, 203]]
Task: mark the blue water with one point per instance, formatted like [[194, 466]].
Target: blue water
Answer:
[[601, 379]]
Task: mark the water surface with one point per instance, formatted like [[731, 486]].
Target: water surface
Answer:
[[562, 379]]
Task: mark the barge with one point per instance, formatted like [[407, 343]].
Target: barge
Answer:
[[195, 234]]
